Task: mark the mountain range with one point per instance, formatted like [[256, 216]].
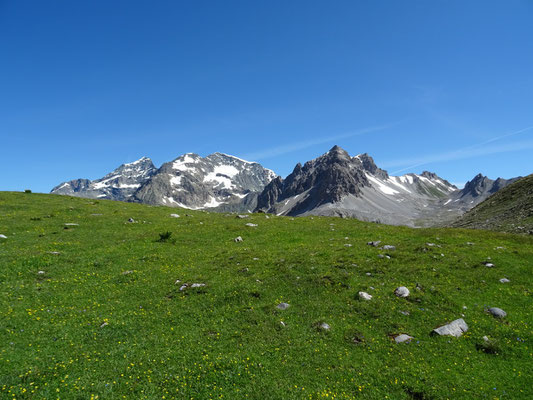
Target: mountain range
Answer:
[[334, 184]]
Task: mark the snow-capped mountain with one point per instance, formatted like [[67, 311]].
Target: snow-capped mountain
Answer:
[[117, 185], [338, 184], [217, 181]]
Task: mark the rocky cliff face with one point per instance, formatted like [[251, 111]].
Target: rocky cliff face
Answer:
[[117, 185], [218, 181]]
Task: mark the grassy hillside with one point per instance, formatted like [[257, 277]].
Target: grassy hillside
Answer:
[[94, 311], [508, 210]]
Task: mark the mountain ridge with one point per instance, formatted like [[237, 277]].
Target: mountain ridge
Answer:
[[332, 184]]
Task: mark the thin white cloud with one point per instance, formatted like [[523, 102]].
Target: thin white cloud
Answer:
[[289, 148], [477, 150]]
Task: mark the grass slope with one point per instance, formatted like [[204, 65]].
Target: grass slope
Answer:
[[105, 319], [508, 210]]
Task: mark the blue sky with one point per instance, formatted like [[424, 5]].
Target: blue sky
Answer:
[[445, 86]]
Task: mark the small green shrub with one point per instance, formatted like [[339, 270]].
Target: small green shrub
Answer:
[[165, 237]]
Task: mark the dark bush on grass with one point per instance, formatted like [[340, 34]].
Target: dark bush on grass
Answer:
[[165, 237]]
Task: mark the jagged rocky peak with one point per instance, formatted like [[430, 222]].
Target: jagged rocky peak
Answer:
[[337, 184], [429, 175], [117, 185], [370, 166], [337, 153], [480, 187], [477, 186], [325, 179]]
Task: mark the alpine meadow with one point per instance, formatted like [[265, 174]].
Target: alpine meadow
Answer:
[[105, 299]]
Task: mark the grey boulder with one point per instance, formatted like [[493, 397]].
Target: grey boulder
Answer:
[[497, 312], [455, 328]]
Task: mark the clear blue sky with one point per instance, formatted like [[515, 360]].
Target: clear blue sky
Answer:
[[88, 85]]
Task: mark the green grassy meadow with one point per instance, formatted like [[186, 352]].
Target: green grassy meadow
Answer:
[[106, 319]]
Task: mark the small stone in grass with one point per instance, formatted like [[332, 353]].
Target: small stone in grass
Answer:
[[3, 236], [283, 306], [242, 216], [488, 264], [389, 247], [403, 338], [324, 327], [41, 272], [175, 215], [104, 324], [238, 239], [401, 291], [365, 296], [497, 312], [374, 243], [250, 224], [504, 280]]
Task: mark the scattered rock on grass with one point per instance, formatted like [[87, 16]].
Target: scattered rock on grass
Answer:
[[250, 224], [104, 324], [365, 296], [238, 239], [71, 224], [283, 306], [455, 328], [40, 272], [401, 291], [504, 280], [488, 264], [131, 220], [403, 338], [497, 312], [374, 243], [389, 247], [193, 285], [324, 327], [242, 216], [175, 215], [3, 236]]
